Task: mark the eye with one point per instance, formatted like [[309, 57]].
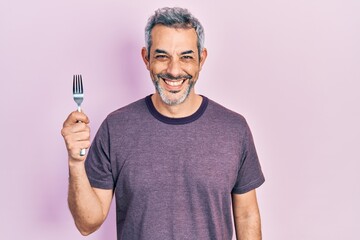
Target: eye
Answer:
[[187, 57], [160, 57]]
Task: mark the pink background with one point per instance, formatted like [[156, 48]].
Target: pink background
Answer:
[[292, 68]]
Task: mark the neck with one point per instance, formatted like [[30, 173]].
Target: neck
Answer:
[[185, 109]]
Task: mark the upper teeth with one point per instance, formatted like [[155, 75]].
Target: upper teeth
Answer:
[[174, 83]]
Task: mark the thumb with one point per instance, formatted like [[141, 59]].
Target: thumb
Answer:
[[75, 117]]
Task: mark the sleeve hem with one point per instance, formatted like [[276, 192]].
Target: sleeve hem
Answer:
[[254, 184], [100, 184]]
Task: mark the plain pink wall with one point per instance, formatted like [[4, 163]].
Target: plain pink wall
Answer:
[[292, 68]]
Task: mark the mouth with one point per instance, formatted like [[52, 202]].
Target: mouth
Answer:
[[174, 83]]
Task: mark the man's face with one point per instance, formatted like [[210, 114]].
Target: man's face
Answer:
[[173, 62]]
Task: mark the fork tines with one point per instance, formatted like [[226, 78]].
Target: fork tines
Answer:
[[77, 84], [78, 95]]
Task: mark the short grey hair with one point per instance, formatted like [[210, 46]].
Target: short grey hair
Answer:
[[176, 18]]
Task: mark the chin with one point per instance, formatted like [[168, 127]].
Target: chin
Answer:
[[173, 99]]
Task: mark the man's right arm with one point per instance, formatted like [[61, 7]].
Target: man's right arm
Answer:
[[88, 206]]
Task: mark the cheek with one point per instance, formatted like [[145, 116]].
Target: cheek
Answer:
[[153, 72], [158, 64], [192, 70]]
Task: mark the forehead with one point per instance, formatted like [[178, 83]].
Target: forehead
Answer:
[[168, 38]]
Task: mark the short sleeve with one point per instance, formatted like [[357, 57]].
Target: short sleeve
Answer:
[[250, 175], [98, 164]]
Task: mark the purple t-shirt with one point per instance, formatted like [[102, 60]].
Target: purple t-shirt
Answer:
[[173, 177]]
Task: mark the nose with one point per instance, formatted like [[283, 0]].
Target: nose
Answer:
[[174, 67]]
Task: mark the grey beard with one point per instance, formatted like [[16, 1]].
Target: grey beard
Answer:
[[178, 101]]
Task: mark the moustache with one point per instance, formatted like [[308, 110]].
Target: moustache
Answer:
[[171, 77]]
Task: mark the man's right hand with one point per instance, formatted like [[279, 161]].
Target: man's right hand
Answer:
[[89, 206], [76, 133]]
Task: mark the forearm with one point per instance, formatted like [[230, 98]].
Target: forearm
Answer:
[[246, 216], [248, 227], [84, 204]]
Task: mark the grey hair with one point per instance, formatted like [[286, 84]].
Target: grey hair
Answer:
[[176, 18]]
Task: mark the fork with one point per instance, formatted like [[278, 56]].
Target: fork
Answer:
[[78, 94]]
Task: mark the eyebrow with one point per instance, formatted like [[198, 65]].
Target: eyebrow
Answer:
[[187, 52], [160, 51], [164, 52]]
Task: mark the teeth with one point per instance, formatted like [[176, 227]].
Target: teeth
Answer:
[[174, 83]]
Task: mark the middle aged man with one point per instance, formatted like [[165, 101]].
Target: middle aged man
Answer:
[[175, 160]]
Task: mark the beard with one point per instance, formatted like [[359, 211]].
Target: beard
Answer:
[[169, 97]]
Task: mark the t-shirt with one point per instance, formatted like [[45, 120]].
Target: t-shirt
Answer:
[[173, 177]]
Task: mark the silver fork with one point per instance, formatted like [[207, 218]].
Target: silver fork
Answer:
[[78, 94]]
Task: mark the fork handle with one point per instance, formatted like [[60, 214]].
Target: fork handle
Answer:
[[82, 151]]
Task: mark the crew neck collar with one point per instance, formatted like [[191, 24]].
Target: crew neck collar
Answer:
[[176, 121]]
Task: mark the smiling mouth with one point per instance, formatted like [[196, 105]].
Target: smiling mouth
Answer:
[[174, 83]]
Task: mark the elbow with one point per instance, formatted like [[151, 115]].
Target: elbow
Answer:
[[85, 233], [87, 229]]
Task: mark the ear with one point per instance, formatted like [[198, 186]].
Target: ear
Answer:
[[144, 55], [203, 56]]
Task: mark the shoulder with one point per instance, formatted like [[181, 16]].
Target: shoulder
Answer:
[[218, 112], [125, 119], [132, 111]]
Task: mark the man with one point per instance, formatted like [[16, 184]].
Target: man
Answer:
[[176, 161]]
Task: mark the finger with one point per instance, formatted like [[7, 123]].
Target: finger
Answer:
[[76, 128], [75, 155], [78, 145], [80, 136], [75, 117], [79, 127], [75, 148], [74, 139]]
